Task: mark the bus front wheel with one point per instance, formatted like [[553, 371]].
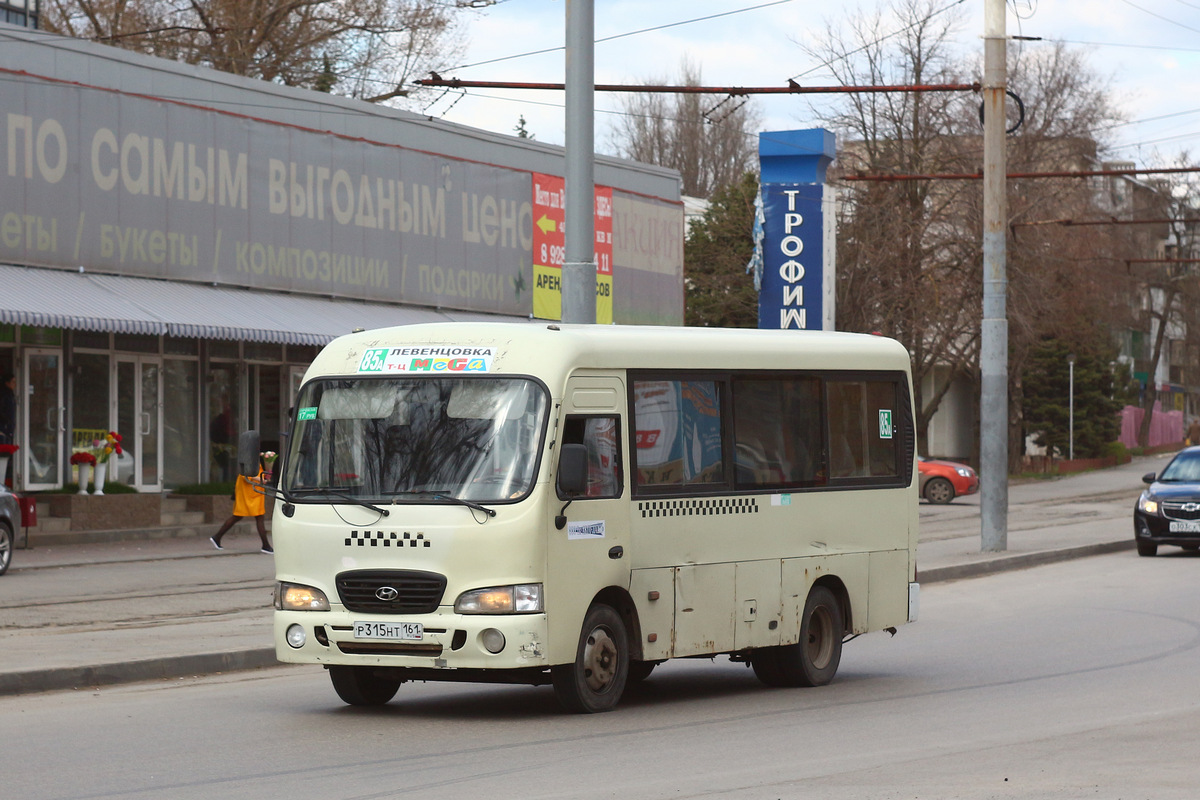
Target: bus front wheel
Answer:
[[361, 686], [812, 661], [596, 679]]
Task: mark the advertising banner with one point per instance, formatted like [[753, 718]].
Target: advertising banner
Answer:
[[549, 248], [793, 257]]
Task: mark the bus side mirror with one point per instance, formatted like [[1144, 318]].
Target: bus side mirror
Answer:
[[572, 470], [247, 453]]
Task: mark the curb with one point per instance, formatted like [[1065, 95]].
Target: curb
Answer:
[[133, 671], [1024, 560]]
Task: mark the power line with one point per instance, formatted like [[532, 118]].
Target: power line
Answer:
[[1160, 16], [624, 35], [971, 176]]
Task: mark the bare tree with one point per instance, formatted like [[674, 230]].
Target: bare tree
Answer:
[[909, 256], [1172, 286], [904, 267], [709, 138], [364, 48]]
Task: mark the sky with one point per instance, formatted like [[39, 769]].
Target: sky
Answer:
[[1148, 51]]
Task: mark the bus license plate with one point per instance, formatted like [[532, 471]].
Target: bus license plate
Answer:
[[393, 631], [1185, 527]]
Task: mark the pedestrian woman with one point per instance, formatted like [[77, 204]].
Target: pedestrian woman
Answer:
[[248, 501]]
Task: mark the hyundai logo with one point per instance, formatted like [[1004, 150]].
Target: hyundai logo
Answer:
[[386, 593]]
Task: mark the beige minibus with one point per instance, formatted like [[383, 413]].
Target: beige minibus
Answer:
[[563, 505]]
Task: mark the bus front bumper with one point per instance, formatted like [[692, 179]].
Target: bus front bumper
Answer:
[[448, 641]]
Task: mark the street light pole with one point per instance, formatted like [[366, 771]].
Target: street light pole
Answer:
[[579, 265], [993, 353], [1071, 406]]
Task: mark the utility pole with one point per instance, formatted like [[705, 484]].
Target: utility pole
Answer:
[[993, 358], [579, 264]]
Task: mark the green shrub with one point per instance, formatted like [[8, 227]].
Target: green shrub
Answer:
[[1115, 450]]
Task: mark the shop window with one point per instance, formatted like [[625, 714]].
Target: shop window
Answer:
[[263, 351], [180, 347], [223, 349], [135, 343]]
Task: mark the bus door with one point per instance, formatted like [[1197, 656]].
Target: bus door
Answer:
[[591, 551]]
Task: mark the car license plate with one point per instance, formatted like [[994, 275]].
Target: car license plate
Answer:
[[1186, 527], [393, 631]]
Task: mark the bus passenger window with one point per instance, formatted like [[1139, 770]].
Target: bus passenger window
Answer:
[[601, 436], [677, 433], [862, 435], [846, 429], [777, 432]]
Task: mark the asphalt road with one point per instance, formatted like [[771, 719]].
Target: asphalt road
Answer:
[[1062, 681]]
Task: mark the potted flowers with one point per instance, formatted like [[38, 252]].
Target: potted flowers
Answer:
[[85, 461], [104, 448]]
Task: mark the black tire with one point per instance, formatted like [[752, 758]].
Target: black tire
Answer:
[[6, 547], [765, 663], [813, 661], [596, 679], [1146, 548], [640, 671], [361, 686], [939, 491]]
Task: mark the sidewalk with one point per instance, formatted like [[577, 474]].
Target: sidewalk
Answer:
[[1049, 521]]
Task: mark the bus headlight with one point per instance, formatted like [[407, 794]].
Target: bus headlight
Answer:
[[297, 597], [523, 598]]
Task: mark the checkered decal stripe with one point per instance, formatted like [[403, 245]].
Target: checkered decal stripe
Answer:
[[698, 508], [389, 539]]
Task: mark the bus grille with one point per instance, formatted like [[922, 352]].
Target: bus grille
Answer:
[[391, 591]]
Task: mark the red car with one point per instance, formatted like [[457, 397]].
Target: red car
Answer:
[[942, 481]]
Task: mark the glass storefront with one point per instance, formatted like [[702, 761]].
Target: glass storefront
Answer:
[[179, 404]]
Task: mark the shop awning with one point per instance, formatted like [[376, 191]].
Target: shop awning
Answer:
[[110, 303]]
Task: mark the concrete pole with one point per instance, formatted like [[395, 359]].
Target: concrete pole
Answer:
[[579, 266], [993, 358]]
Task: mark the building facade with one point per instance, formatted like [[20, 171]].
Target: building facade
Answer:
[[176, 244]]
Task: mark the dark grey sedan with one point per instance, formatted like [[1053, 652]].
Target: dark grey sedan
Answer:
[[1168, 511]]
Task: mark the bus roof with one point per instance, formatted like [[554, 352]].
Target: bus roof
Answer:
[[553, 350]]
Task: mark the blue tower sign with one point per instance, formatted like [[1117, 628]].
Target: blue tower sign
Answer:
[[794, 232]]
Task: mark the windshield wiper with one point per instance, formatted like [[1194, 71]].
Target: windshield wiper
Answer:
[[347, 497], [442, 494]]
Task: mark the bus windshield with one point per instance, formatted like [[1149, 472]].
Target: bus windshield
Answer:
[[415, 440]]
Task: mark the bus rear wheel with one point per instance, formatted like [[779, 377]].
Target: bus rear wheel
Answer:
[[814, 660], [596, 679], [362, 686]]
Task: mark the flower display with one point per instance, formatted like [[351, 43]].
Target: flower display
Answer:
[[269, 457], [83, 458], [111, 443], [9, 449]]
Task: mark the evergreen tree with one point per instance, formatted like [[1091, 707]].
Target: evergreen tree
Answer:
[[718, 291], [1047, 399]]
